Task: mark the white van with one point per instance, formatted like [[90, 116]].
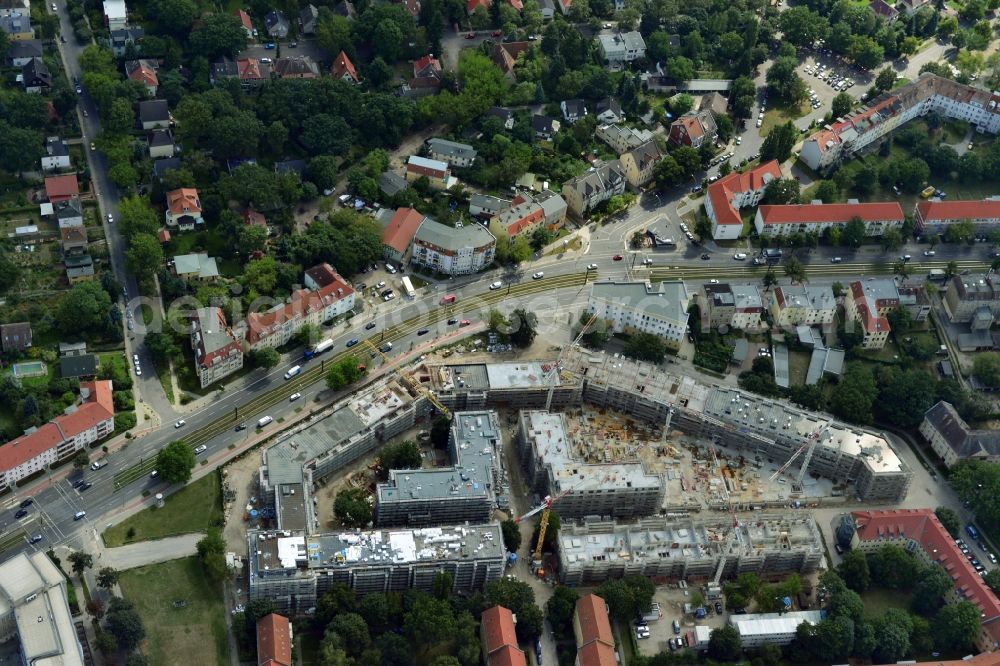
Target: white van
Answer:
[[294, 370], [79, 515], [264, 421]]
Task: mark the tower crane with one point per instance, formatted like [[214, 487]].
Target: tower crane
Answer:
[[409, 379], [545, 508], [809, 444], [553, 372]]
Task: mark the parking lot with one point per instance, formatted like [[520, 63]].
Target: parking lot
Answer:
[[671, 600]]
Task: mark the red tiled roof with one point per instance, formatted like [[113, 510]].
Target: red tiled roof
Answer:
[[516, 4], [722, 191], [958, 210], [981, 659], [164, 236], [59, 188], [399, 232], [472, 5], [924, 527], [244, 19], [800, 213], [424, 62], [301, 303], [343, 66], [498, 628], [208, 356], [596, 654], [507, 655], [252, 217], [99, 407], [144, 75], [274, 640], [249, 69], [691, 125], [184, 200], [592, 614]]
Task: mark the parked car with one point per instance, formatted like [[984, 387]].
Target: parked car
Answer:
[[28, 502], [470, 35]]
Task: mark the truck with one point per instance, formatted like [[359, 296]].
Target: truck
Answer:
[[445, 300], [937, 275], [653, 614], [292, 371], [263, 421], [927, 192], [972, 531], [408, 287], [771, 255], [318, 348]]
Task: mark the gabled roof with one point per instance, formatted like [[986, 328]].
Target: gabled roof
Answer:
[[162, 166], [154, 110], [592, 616], [987, 209], [84, 365], [25, 48], [160, 137], [473, 5], [343, 68], [505, 54], [427, 66], [833, 213], [723, 191], [346, 9], [142, 71], [275, 18], [402, 226], [645, 154], [61, 187], [244, 20], [55, 146], [183, 200], [301, 302], [249, 69], [298, 67], [883, 9], [498, 628], [962, 439], [35, 71]]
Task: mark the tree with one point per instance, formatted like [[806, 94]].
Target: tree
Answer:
[[960, 232], [252, 239], [795, 270], [81, 459], [802, 26], [892, 567], [893, 640], [782, 191], [401, 455], [144, 257], [83, 309], [511, 535], [352, 508], [779, 143], [175, 461], [827, 191], [854, 396], [842, 105], [522, 326], [212, 551], [992, 578], [344, 373], [124, 623], [928, 594], [854, 232], [784, 82], [218, 35], [560, 608], [724, 643], [645, 347], [266, 358], [986, 368], [107, 577], [81, 561], [627, 597], [429, 622], [956, 626], [854, 570], [950, 520], [162, 346], [904, 396], [353, 631], [885, 79]]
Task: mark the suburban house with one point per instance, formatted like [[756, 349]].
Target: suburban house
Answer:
[[346, 9], [459, 250], [694, 129], [639, 163], [399, 228], [88, 421], [144, 73], [595, 643], [35, 76], [8, 7], [622, 139], [725, 197], [61, 188], [483, 205], [251, 218], [162, 166], [119, 40], [498, 638], [245, 22], [412, 8], [17, 25], [641, 307], [524, 216], [276, 24], [504, 115], [115, 14], [437, 172], [298, 67], [868, 303], [817, 217], [343, 69], [973, 298], [619, 48], [472, 5], [919, 532], [56, 155], [68, 213], [274, 641], [952, 438], [884, 10], [161, 143], [184, 209], [392, 183], [74, 240], [504, 56], [252, 73], [308, 18], [715, 103], [15, 337], [426, 77], [79, 268], [796, 305], [736, 306], [609, 111], [934, 217], [597, 184], [544, 127], [573, 109], [19, 53], [195, 267], [548, 9], [154, 114], [75, 367], [217, 352], [455, 154], [327, 295]]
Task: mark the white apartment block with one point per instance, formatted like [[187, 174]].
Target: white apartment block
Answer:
[[798, 305], [458, 250], [934, 217], [640, 307], [622, 47], [867, 304], [725, 197], [622, 139], [817, 217]]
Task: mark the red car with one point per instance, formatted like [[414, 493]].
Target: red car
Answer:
[[470, 35], [617, 257], [496, 33]]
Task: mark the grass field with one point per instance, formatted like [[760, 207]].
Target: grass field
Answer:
[[878, 601], [780, 114], [195, 508], [193, 634]]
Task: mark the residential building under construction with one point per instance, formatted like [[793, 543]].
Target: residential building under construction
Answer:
[[691, 548]]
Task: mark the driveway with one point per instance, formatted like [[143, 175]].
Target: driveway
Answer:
[[151, 552], [306, 47]]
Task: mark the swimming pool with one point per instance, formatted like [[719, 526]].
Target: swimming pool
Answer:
[[28, 369]]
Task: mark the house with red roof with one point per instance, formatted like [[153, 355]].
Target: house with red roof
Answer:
[[694, 129], [252, 217], [274, 641], [92, 419], [327, 295], [919, 532], [817, 217], [343, 69], [217, 350], [726, 196], [867, 304], [595, 644], [245, 22], [934, 217], [504, 56], [472, 5], [426, 77], [61, 188], [397, 234], [252, 73], [499, 641], [183, 209], [523, 217], [143, 72]]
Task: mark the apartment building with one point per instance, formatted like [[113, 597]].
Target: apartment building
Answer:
[[952, 438], [817, 217], [596, 185], [621, 47], [56, 154], [692, 547], [454, 153], [641, 307], [737, 306], [556, 461], [694, 129], [639, 163], [327, 295], [465, 491], [459, 250], [913, 297], [934, 217], [294, 571], [725, 197], [82, 424], [973, 299], [847, 136], [919, 532], [217, 351], [595, 642], [796, 305], [867, 304], [622, 139]]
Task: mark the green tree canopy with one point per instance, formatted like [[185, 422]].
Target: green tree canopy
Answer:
[[175, 461], [352, 508]]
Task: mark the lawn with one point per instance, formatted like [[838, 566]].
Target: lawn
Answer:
[[195, 633], [878, 601], [779, 114], [798, 367], [195, 508]]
